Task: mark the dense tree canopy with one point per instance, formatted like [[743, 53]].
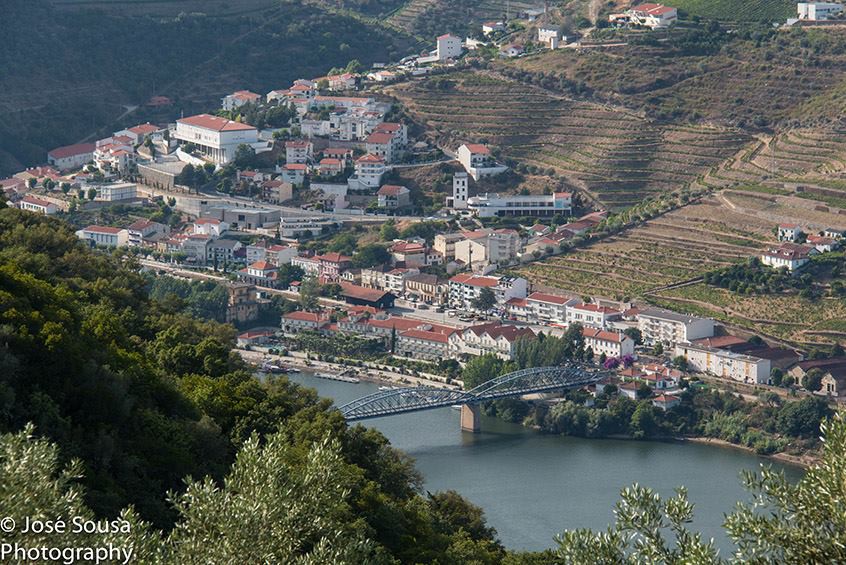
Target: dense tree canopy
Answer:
[[145, 396]]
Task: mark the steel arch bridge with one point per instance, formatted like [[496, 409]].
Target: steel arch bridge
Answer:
[[518, 383]]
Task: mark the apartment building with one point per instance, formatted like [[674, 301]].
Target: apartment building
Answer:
[[726, 364], [464, 289], [592, 315], [657, 325]]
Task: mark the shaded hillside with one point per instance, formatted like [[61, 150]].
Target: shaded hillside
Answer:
[[70, 83]]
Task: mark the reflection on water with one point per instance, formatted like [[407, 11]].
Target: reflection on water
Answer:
[[533, 486]]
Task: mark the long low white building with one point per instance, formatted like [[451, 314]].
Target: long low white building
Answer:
[[726, 364], [491, 205]]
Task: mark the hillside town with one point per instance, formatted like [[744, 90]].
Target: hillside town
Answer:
[[317, 159]]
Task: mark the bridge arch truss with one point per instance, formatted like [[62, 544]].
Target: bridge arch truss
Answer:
[[518, 383]]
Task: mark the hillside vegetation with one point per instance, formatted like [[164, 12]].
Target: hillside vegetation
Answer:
[[68, 85], [145, 397]]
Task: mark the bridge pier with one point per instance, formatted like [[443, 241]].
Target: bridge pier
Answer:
[[470, 415]]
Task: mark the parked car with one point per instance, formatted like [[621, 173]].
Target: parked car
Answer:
[[422, 306]]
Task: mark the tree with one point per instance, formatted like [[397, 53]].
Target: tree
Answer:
[[66, 187], [634, 334], [680, 362], [92, 193], [309, 291], [244, 157], [644, 422], [481, 369], [776, 376], [388, 231], [802, 418], [658, 349], [370, 255], [485, 301], [813, 380]]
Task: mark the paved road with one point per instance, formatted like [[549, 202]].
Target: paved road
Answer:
[[291, 211]]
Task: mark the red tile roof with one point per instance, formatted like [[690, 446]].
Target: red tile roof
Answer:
[[475, 280], [214, 123], [144, 129], [426, 335], [71, 150], [103, 229], [262, 266], [551, 298], [303, 316], [370, 158], [379, 138], [36, 201], [603, 335], [497, 330], [333, 257], [391, 190], [388, 127], [295, 167], [478, 148]]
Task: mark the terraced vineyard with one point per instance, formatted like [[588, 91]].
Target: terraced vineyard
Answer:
[[432, 17], [738, 10], [674, 248], [615, 155], [742, 84], [806, 156], [787, 317], [680, 246]]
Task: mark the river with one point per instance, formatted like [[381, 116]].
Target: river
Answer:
[[532, 486]]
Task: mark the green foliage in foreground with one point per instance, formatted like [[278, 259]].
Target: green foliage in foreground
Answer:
[[282, 505], [802, 523], [142, 396]]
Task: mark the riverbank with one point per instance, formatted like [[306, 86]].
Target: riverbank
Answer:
[[806, 460], [367, 373]]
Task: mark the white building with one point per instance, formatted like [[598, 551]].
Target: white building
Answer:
[[494, 338], [237, 99], [448, 47], [115, 192], [368, 172], [653, 16], [138, 133], [657, 325], [725, 364], [464, 289], [549, 37], [611, 344], [592, 315], [790, 256], [298, 151], [210, 226], [818, 11], [487, 246], [458, 200], [478, 162], [393, 196], [71, 156], [37, 205], [216, 138], [104, 236], [789, 232], [548, 308], [492, 27], [491, 205], [142, 229]]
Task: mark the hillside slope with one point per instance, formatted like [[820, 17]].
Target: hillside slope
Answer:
[[69, 85]]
